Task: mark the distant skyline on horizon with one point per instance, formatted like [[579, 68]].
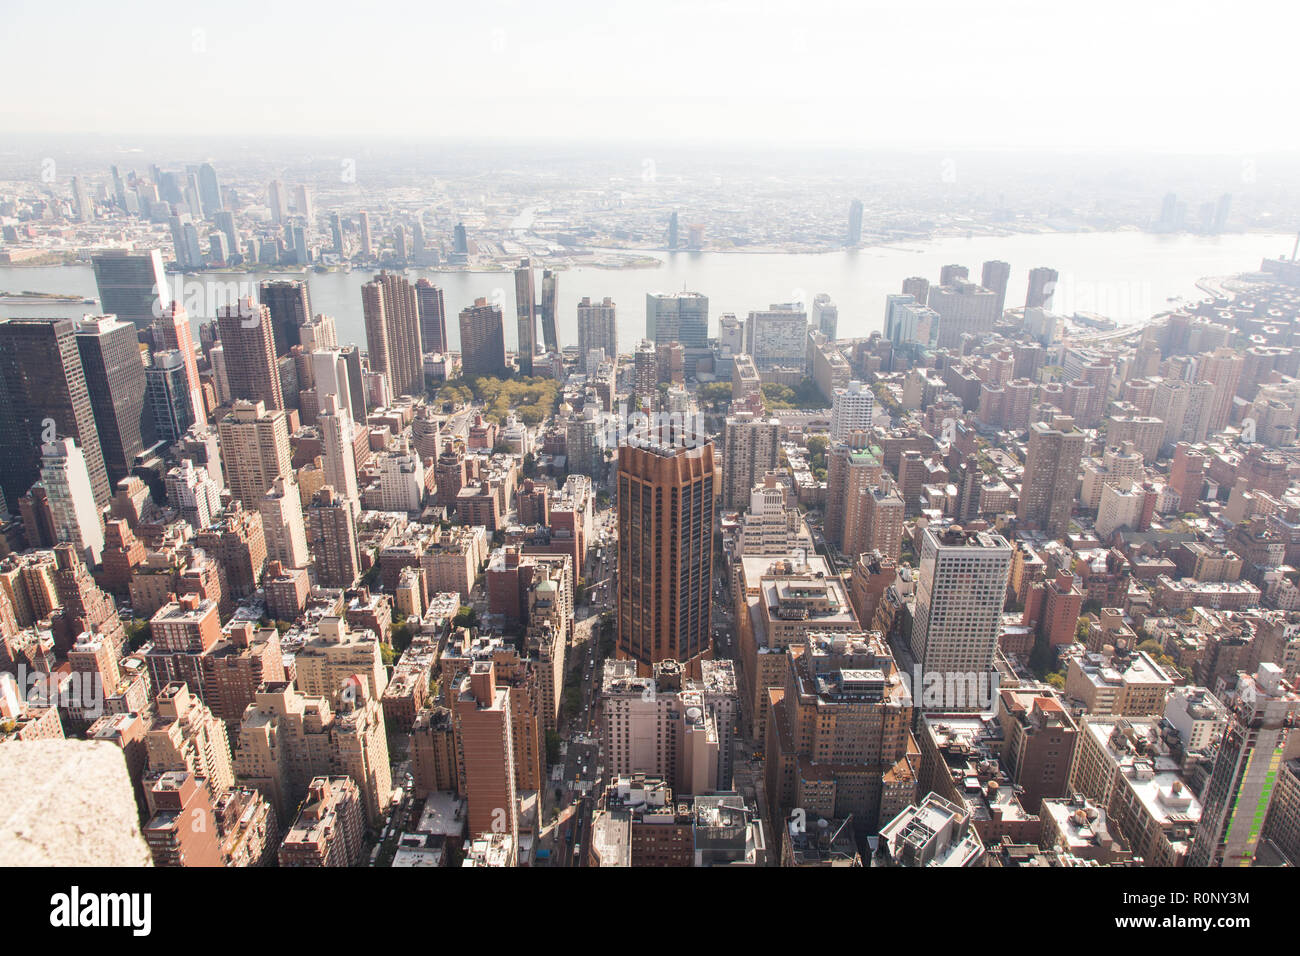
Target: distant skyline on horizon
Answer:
[[218, 146]]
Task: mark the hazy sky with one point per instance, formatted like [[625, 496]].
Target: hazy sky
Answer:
[[1106, 74]]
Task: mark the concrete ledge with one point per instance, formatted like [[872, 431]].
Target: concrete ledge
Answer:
[[68, 803]]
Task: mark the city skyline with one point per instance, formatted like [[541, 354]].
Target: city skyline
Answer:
[[686, 435]]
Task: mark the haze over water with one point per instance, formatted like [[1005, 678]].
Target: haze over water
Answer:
[[1125, 276]]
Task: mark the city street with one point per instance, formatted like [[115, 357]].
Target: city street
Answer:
[[580, 772]]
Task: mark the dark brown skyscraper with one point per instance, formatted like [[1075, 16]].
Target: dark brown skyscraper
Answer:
[[290, 310], [110, 358], [351, 357], [665, 548], [1042, 286], [526, 313], [949, 274], [42, 390], [249, 344], [994, 277], [132, 285], [332, 534], [433, 317], [482, 339], [918, 287], [393, 332], [1051, 475], [550, 296]]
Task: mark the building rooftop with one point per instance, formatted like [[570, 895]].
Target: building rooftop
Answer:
[[444, 814], [490, 849], [1082, 824], [935, 833], [1136, 747], [821, 842]]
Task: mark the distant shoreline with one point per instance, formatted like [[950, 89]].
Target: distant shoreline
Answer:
[[642, 258]]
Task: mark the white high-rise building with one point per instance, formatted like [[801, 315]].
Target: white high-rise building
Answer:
[[72, 499], [679, 729], [908, 321], [1118, 466], [778, 337], [961, 589], [319, 333], [335, 424], [330, 372], [283, 525], [255, 446], [401, 478], [770, 526], [1120, 506], [731, 334], [963, 307], [194, 493], [1198, 716], [678, 317], [597, 329], [826, 315], [852, 410], [751, 447]]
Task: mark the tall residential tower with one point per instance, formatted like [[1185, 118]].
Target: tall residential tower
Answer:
[[665, 547]]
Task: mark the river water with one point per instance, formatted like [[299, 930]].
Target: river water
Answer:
[[1126, 276]]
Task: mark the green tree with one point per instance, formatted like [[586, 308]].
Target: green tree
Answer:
[[531, 415], [401, 635], [777, 396], [715, 394], [137, 633], [529, 399], [1042, 659], [887, 400], [805, 395], [572, 701], [817, 446]]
